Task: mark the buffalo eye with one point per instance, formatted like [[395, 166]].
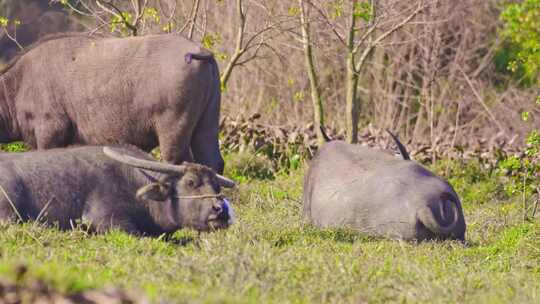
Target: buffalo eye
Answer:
[[192, 182]]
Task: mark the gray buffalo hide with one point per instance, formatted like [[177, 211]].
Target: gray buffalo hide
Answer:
[[37, 18], [121, 187], [379, 194], [144, 91]]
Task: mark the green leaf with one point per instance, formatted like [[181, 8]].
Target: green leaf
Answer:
[[363, 11], [151, 14], [210, 40], [4, 21], [525, 115], [336, 9], [521, 29], [533, 138], [293, 11]]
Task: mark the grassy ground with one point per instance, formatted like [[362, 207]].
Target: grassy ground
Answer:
[[272, 256]]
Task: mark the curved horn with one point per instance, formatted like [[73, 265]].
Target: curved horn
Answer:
[[400, 146], [225, 182], [143, 163]]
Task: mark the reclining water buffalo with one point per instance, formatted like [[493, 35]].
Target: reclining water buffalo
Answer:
[[144, 91], [120, 187], [375, 192]]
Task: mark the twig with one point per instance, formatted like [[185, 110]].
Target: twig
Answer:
[[383, 36], [468, 80], [11, 203], [118, 13], [76, 10], [487, 59], [140, 7], [193, 18], [326, 19], [535, 208], [19, 216], [13, 38], [523, 196], [170, 17], [456, 128], [42, 211]]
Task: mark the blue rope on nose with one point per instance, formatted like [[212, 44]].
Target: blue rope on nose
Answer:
[[225, 205]]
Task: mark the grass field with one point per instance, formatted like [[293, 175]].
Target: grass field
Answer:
[[271, 255]]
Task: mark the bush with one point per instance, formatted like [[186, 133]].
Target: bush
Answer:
[[523, 172], [521, 29], [244, 166], [13, 147]]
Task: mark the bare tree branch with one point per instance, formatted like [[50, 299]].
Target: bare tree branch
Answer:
[[475, 92], [327, 21], [239, 49], [369, 48], [118, 13], [193, 18], [13, 38]]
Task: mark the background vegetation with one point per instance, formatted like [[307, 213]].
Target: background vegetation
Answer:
[[431, 70], [458, 79]]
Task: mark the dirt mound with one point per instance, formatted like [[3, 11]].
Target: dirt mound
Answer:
[[31, 290]]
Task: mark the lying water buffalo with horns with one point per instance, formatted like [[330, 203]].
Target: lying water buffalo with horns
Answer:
[[120, 187], [375, 192], [144, 91]]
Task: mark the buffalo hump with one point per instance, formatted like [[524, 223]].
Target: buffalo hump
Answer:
[[379, 194]]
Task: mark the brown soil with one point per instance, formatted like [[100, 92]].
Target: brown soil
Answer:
[[31, 290]]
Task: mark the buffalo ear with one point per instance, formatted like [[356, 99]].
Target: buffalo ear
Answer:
[[154, 191]]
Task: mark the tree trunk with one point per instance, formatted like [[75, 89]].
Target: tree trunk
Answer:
[[239, 49], [318, 112], [353, 104]]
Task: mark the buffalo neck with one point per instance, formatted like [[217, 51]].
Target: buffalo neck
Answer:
[[9, 127]]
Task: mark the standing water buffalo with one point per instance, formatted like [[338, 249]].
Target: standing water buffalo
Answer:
[[119, 187], [374, 192], [74, 89]]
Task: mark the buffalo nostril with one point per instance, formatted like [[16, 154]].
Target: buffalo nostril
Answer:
[[217, 208]]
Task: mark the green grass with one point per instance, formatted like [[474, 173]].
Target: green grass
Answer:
[[13, 147], [271, 255]]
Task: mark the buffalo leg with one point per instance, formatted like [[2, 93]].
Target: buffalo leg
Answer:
[[103, 221], [205, 141], [52, 133], [174, 143]]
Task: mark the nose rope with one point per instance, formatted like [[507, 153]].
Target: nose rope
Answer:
[[202, 196]]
